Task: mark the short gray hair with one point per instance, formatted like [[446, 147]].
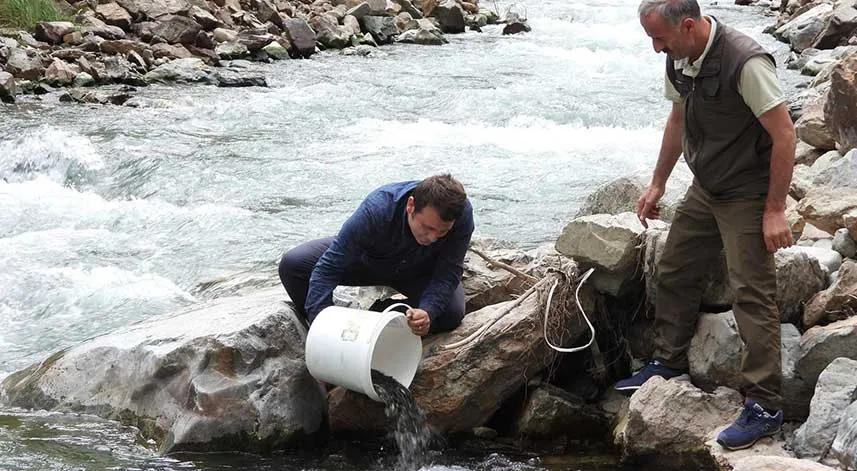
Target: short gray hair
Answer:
[[673, 11]]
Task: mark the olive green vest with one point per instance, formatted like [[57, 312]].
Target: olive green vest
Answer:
[[724, 145]]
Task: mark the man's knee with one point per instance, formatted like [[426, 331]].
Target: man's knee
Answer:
[[450, 319]]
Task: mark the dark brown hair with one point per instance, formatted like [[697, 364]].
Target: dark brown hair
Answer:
[[443, 193]]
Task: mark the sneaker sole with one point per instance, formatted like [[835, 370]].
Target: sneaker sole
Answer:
[[744, 447]]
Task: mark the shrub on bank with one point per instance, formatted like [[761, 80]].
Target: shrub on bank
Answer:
[[26, 14]]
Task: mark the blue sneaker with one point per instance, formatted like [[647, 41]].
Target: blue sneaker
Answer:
[[654, 368], [753, 423]]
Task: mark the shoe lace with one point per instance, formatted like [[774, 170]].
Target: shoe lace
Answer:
[[746, 415]]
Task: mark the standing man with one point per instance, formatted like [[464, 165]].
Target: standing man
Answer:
[[728, 117], [411, 236]]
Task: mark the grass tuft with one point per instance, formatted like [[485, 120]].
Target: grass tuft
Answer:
[[25, 14]]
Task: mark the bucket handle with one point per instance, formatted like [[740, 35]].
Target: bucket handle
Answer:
[[391, 306]]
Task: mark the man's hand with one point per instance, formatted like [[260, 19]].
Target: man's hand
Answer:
[[419, 321], [776, 230], [647, 205]]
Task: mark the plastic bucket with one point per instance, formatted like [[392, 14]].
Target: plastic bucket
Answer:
[[344, 345]]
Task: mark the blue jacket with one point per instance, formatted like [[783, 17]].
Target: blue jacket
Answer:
[[377, 239]]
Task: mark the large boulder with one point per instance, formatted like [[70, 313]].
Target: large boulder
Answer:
[[621, 194], [176, 29], [835, 303], [812, 128], [329, 33], [8, 88], [61, 73], [841, 107], [610, 243], [668, 418], [152, 9], [301, 38], [450, 17], [227, 374], [802, 30], [836, 390], [426, 34], [820, 345], [114, 15], [189, 70], [549, 412], [382, 28], [836, 170], [830, 208], [844, 446], [461, 387], [24, 65], [840, 25], [799, 277], [52, 32]]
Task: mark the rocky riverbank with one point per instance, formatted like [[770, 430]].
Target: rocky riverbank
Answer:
[[135, 43]]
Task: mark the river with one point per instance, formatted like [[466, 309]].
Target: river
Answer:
[[109, 215]]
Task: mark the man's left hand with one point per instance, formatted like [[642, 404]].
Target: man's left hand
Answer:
[[419, 321], [776, 230]]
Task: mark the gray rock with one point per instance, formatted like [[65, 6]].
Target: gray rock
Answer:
[[52, 32], [351, 24], [409, 7], [8, 88], [121, 46], [844, 446], [802, 30], [516, 28], [329, 34], [153, 9], [382, 28], [550, 412], [231, 50], [422, 36], [450, 15], [223, 35], [665, 418], [621, 194], [610, 243], [95, 97], [715, 352], [105, 31], [841, 105], [830, 208], [820, 345], [839, 171], [276, 51], [255, 42], [83, 79], [361, 10], [812, 127], [180, 70], [23, 65], [176, 29], [301, 37], [839, 26], [766, 462], [116, 70], [205, 18], [796, 393], [226, 373], [799, 277], [231, 78], [836, 390], [844, 244], [170, 51]]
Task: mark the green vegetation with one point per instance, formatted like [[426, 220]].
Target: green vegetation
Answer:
[[26, 14]]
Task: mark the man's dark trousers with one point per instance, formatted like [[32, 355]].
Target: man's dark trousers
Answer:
[[297, 264], [702, 227]]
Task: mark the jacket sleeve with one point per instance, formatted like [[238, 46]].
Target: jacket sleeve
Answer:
[[347, 248], [448, 268]]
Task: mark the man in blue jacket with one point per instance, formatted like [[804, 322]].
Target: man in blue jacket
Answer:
[[411, 236]]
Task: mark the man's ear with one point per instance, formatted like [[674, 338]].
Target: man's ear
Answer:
[[687, 25], [409, 207]]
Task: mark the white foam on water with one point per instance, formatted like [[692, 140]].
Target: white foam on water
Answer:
[[61, 156]]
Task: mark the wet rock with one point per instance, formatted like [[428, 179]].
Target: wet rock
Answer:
[[841, 106], [276, 50], [52, 32], [96, 97], [24, 65], [550, 412], [516, 26], [812, 127], [382, 28], [820, 345], [60, 72], [176, 29], [8, 88], [180, 70], [450, 16], [844, 244], [837, 302], [114, 15], [153, 9], [836, 390], [231, 78], [428, 37], [301, 37], [673, 417], [83, 79], [228, 373]]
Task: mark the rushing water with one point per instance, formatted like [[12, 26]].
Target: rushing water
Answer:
[[109, 215]]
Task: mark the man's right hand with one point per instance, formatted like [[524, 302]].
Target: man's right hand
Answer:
[[647, 205]]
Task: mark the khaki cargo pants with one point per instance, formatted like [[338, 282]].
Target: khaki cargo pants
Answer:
[[702, 227]]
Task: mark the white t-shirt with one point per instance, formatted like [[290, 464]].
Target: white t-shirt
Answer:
[[757, 83]]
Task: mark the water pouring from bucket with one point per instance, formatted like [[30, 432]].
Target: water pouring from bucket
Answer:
[[344, 345]]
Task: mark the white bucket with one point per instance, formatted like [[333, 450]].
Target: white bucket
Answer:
[[344, 345]]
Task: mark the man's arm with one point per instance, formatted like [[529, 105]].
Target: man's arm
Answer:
[[647, 205], [345, 249], [448, 268], [775, 226]]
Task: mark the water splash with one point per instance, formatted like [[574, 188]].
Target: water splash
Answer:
[[65, 158], [412, 434]]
